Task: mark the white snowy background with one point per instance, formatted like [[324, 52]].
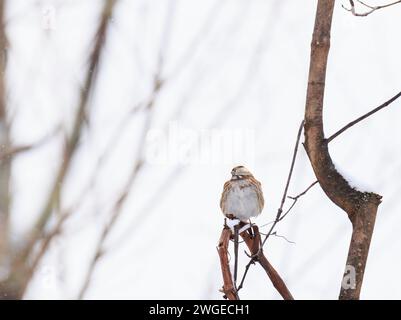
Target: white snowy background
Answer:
[[232, 68]]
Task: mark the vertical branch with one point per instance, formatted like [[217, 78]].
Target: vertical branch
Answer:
[[5, 162], [361, 207], [228, 286]]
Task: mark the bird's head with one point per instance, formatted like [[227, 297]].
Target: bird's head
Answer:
[[240, 172]]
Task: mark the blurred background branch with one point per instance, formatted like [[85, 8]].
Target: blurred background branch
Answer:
[[22, 271]]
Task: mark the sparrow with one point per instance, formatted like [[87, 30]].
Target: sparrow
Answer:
[[242, 199], [242, 196]]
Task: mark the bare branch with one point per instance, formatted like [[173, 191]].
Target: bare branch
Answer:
[[342, 130], [361, 207], [366, 115], [253, 243], [280, 209], [303, 192], [372, 8], [228, 286], [281, 236]]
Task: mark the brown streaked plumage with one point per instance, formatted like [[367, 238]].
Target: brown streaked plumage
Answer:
[[242, 196]]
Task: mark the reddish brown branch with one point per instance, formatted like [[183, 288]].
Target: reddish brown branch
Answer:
[[361, 207], [253, 243], [222, 249]]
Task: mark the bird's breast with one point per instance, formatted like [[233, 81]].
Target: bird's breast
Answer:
[[242, 201]]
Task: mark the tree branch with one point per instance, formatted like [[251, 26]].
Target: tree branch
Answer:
[[253, 243], [284, 197], [342, 130], [372, 8], [361, 207], [228, 287], [366, 115]]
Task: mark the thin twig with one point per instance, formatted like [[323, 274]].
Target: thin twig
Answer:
[[295, 199], [236, 245], [253, 243], [280, 210], [372, 8], [251, 261], [304, 192], [366, 115], [281, 236]]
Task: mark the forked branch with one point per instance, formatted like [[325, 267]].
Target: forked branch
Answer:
[[371, 8], [361, 207]]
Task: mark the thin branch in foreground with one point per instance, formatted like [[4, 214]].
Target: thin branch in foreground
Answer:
[[372, 8], [280, 210]]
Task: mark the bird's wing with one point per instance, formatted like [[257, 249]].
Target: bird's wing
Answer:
[[258, 188], [226, 189]]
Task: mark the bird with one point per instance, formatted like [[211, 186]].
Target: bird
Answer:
[[242, 199], [242, 196]]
